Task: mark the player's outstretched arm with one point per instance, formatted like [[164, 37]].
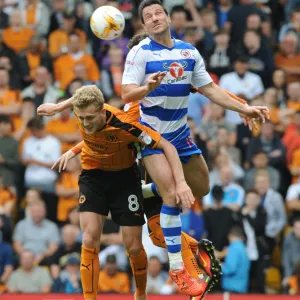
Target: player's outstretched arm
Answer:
[[50, 109], [250, 113], [62, 162], [133, 92], [183, 192]]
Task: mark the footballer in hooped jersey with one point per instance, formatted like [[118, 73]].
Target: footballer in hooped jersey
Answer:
[[150, 76]]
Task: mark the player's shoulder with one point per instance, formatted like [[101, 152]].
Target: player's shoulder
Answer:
[[179, 44], [142, 46]]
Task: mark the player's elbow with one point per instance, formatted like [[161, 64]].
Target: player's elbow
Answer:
[[125, 94]]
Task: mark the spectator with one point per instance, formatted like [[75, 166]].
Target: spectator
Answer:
[[69, 245], [5, 228], [75, 84], [291, 251], [68, 281], [260, 165], [222, 9], [293, 93], [59, 39], [288, 58], [218, 61], [31, 196], [36, 234], [10, 100], [112, 77], [271, 144], [237, 18], [7, 200], [4, 49], [253, 219], [156, 277], [111, 280], [233, 193], [36, 15], [293, 201], [273, 204], [241, 81], [56, 18], [178, 22], [29, 278], [17, 36], [279, 82], [9, 154], [13, 71], [261, 60], [270, 100], [292, 26], [218, 220], [64, 65], [291, 138], [236, 267], [6, 263], [41, 89], [33, 57], [39, 154], [3, 17]]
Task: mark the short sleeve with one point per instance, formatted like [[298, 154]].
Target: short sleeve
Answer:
[[45, 278], [293, 192], [200, 76], [53, 233], [19, 232], [135, 66]]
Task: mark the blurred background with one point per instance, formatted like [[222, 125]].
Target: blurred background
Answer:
[[251, 48]]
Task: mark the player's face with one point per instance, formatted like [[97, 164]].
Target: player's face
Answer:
[[91, 118], [155, 20]]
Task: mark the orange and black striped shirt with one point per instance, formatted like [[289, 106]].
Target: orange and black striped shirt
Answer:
[[112, 147]]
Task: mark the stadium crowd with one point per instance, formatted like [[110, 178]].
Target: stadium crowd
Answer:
[[252, 213]]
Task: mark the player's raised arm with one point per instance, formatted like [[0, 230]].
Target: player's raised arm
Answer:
[[50, 109]]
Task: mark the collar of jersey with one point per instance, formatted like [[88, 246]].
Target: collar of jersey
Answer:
[[162, 46]]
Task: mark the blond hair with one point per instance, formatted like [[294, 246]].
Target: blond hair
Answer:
[[88, 95]]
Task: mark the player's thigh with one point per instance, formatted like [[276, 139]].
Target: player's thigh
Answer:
[[132, 238], [196, 175], [160, 171], [91, 225], [126, 198]]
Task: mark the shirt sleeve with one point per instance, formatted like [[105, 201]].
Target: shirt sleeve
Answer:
[[54, 234], [293, 192], [19, 232], [200, 76], [8, 257], [45, 278], [135, 66]]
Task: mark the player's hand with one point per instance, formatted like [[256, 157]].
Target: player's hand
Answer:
[[48, 110], [155, 80], [184, 195], [254, 113], [62, 162]]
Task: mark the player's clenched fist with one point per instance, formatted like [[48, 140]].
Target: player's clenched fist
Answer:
[[184, 194], [48, 110], [155, 80], [63, 160]]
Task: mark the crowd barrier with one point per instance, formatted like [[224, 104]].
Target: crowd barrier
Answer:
[[224, 296]]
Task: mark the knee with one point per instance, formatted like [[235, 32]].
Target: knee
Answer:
[[91, 238], [134, 247], [169, 195]]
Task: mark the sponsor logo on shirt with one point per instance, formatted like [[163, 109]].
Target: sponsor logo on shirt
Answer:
[[145, 138], [176, 71]]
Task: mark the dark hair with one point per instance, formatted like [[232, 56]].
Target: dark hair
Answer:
[[237, 231], [259, 151], [4, 119], [217, 193], [254, 31], [147, 3], [297, 219], [252, 191], [242, 58], [177, 9], [36, 123], [135, 40]]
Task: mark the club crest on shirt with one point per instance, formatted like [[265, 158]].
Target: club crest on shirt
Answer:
[[145, 138], [185, 53], [111, 138]]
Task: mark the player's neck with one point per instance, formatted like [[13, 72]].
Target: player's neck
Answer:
[[164, 39]]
